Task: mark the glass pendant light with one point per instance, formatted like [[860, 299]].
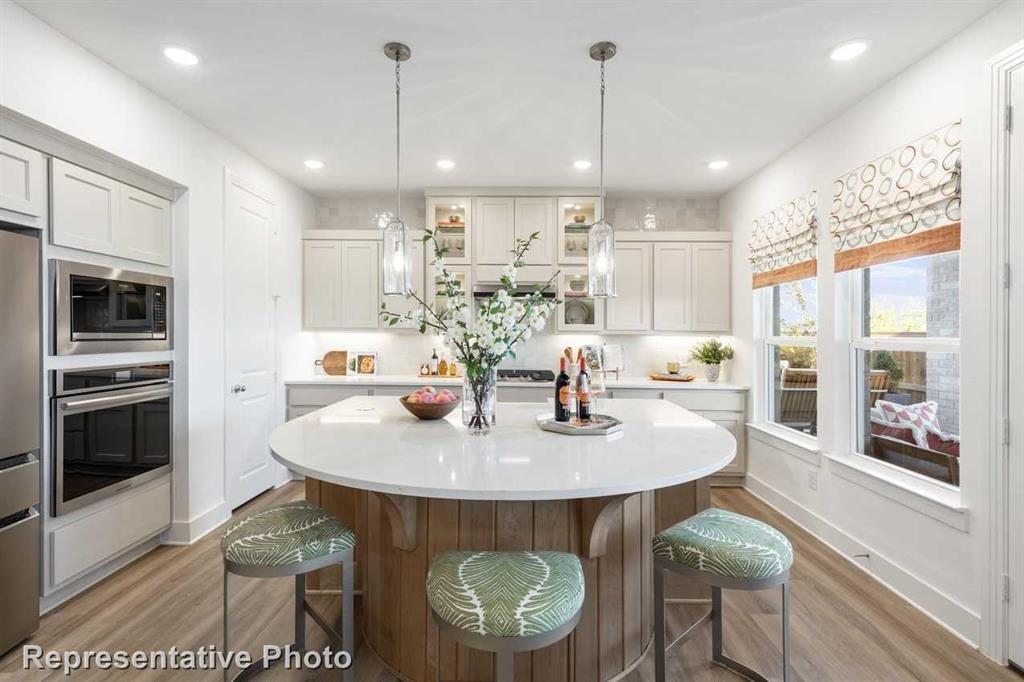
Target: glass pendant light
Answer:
[[601, 236], [397, 254]]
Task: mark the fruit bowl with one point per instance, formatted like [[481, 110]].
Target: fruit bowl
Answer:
[[429, 410]]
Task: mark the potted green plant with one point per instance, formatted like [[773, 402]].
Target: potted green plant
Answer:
[[711, 353]]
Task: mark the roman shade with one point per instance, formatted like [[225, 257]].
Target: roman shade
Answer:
[[902, 205], [783, 245]]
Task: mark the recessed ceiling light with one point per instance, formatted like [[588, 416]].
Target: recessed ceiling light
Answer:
[[313, 164], [849, 50], [569, 205], [581, 165], [446, 164], [718, 164], [180, 55]]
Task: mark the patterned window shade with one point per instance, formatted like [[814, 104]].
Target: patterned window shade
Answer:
[[784, 243], [902, 205]]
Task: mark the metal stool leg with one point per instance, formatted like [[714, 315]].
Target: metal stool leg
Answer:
[[227, 668], [300, 612], [505, 666], [659, 625], [348, 617], [785, 631], [716, 623]]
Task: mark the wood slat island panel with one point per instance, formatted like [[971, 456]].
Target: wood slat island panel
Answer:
[[614, 632]]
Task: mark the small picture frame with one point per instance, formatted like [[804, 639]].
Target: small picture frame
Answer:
[[592, 352], [362, 362]]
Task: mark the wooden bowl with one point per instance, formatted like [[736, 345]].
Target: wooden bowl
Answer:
[[429, 410]]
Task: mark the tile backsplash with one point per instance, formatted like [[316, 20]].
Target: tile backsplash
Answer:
[[403, 352]]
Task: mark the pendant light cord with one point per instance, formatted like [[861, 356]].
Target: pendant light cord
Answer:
[[398, 139], [602, 139]]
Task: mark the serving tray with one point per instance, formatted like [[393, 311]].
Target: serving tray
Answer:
[[601, 425]]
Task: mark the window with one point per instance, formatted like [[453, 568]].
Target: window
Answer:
[[792, 355], [906, 362]]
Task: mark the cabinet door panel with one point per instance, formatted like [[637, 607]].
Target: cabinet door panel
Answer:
[[321, 284], [144, 227], [22, 182], [733, 422], [360, 284], [85, 208], [712, 301], [400, 305], [494, 234], [631, 309], [537, 214], [672, 287]]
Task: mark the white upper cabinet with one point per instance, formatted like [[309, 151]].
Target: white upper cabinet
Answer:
[[144, 227], [712, 301], [630, 311], [579, 311], [537, 215], [22, 185], [400, 305], [494, 231], [321, 284], [452, 217], [95, 213], [85, 208], [360, 284], [575, 215], [673, 273]]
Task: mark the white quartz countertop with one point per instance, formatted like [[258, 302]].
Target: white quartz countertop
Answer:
[[410, 380], [373, 443]]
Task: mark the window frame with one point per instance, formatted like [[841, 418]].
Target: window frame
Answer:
[[858, 341], [765, 342]]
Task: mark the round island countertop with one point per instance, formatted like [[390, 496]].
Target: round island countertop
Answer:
[[373, 443]]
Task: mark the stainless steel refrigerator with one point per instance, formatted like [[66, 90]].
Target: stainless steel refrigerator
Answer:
[[20, 433]]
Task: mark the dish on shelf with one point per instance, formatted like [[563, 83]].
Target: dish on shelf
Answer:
[[578, 312]]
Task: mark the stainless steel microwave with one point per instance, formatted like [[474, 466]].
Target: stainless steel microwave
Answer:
[[109, 310]]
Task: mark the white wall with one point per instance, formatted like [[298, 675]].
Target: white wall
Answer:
[[941, 568], [47, 77]]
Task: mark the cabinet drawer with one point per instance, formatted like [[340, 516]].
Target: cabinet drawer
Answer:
[[634, 393], [19, 486], [296, 412], [319, 396], [703, 400], [19, 589], [89, 541]]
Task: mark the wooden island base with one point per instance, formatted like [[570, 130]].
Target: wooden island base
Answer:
[[612, 535]]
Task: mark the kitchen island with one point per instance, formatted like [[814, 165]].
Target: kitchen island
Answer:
[[414, 488]]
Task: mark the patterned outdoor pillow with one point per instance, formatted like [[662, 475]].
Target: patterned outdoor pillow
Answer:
[[917, 425], [927, 411]]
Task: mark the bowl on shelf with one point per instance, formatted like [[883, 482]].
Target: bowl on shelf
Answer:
[[429, 410]]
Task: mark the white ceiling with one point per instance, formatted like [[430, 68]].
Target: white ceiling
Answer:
[[507, 90]]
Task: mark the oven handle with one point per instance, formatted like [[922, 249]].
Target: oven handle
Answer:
[[85, 404]]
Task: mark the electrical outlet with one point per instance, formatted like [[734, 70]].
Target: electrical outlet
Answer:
[[812, 479]]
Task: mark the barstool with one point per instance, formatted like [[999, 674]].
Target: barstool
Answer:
[[724, 550], [291, 540], [504, 602]]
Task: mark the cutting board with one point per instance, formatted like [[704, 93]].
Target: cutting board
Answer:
[[335, 362]]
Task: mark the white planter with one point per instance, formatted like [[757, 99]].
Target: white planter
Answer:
[[712, 372]]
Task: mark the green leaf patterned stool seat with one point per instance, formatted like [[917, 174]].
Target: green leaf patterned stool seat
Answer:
[[505, 601], [724, 550], [287, 540]]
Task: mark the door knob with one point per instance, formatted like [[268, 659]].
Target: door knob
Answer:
[[238, 388]]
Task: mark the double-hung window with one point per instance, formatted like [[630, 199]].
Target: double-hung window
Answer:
[[900, 250], [783, 258]]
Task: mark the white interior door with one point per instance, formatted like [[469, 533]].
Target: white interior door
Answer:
[[1015, 485], [249, 342]]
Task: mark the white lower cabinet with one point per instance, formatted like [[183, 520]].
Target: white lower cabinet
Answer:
[[22, 185], [734, 423]]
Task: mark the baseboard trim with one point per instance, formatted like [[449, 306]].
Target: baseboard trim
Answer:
[[187, 532], [934, 603]]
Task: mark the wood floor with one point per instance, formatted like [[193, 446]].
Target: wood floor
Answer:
[[845, 626]]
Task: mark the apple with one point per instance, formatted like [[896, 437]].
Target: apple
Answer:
[[414, 398], [427, 398], [429, 389]]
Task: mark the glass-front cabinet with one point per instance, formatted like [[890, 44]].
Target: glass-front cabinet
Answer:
[[452, 218], [435, 292], [579, 311], [575, 216]]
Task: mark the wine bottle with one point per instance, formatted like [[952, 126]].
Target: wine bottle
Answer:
[[583, 392], [433, 363], [562, 391]]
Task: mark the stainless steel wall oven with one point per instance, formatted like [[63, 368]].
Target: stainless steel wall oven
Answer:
[[112, 430], [108, 310]]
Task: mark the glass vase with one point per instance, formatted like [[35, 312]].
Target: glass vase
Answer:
[[479, 394]]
